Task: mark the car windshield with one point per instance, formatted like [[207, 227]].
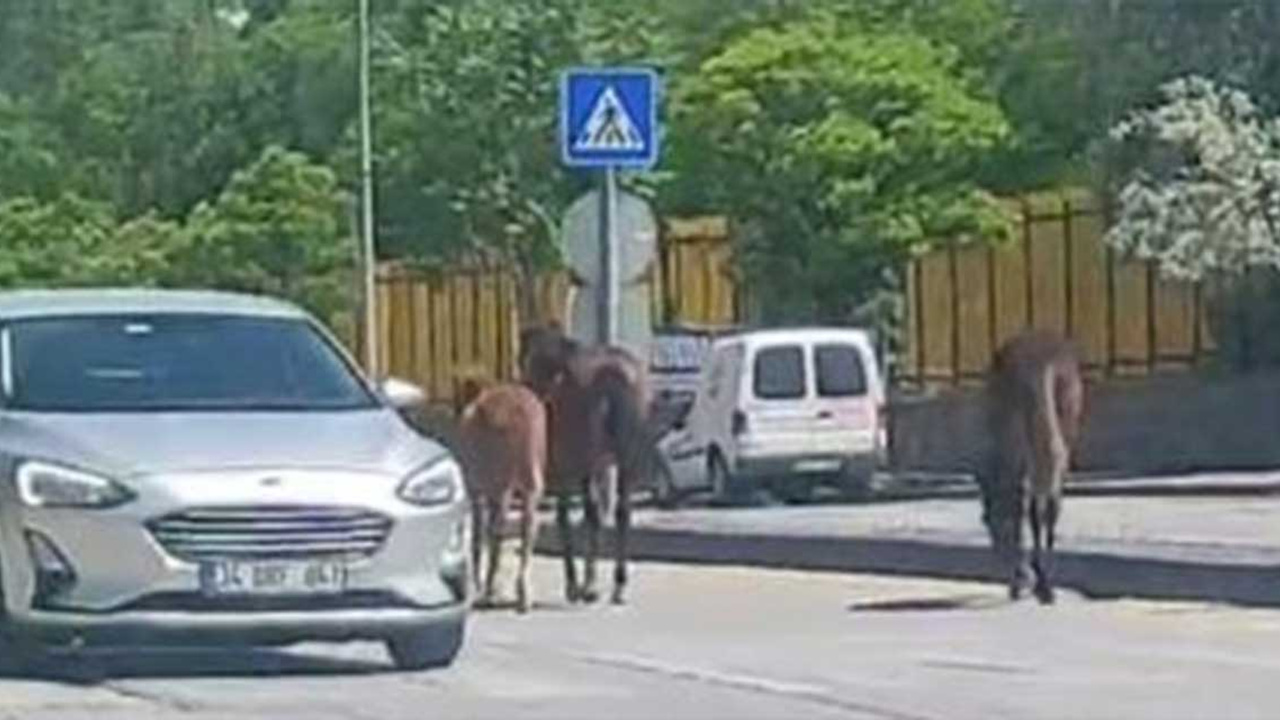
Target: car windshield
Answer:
[[177, 363]]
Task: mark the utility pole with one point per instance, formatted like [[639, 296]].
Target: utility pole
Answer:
[[370, 265]]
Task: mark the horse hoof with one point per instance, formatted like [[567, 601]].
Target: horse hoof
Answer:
[[589, 596], [573, 595], [1045, 595], [619, 598], [1015, 592]]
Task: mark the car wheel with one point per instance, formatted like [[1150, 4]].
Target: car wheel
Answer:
[[426, 649], [20, 656]]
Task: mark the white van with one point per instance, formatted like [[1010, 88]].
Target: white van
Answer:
[[784, 408]]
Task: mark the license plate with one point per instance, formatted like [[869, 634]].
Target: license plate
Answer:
[[279, 578], [816, 466]]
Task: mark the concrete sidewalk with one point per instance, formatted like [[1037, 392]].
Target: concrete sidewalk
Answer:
[[1217, 548]]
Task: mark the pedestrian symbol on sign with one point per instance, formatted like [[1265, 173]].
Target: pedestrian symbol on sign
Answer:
[[609, 127], [609, 117]]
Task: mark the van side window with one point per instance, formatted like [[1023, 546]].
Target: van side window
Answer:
[[779, 373], [839, 370]]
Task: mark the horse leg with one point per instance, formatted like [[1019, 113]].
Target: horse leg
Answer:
[[1016, 550], [478, 535], [622, 520], [565, 530], [591, 519], [528, 538], [1044, 588], [497, 518], [1037, 550]]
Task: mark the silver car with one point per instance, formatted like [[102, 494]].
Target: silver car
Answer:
[[210, 468]]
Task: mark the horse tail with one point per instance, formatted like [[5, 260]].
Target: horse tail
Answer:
[[1048, 441], [624, 420]]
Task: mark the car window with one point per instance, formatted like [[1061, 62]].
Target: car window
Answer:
[[779, 373], [177, 363], [839, 371]]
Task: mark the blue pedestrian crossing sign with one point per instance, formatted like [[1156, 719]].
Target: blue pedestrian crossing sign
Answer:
[[609, 117]]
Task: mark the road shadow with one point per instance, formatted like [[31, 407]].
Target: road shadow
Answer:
[[948, 603], [94, 666], [509, 607]]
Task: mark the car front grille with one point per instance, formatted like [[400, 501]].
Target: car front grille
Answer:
[[195, 602], [271, 532]]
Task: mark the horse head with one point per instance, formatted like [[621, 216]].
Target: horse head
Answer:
[[468, 385], [545, 354]]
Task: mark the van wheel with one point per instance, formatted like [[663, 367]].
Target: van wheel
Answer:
[[858, 484], [794, 490], [725, 488], [665, 494]]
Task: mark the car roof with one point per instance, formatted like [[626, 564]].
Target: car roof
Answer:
[[753, 338], [19, 304]]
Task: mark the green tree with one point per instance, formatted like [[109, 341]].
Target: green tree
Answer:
[[71, 241], [279, 228], [841, 150], [465, 125]]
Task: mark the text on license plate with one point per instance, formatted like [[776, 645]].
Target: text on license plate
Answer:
[[273, 578]]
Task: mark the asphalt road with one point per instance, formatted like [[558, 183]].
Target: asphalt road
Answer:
[[731, 643]]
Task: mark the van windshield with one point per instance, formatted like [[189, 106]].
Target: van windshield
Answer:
[[839, 371], [779, 373]]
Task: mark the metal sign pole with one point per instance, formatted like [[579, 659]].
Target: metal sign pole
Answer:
[[371, 349], [607, 291]]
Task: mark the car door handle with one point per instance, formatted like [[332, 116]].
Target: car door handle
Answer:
[[824, 415]]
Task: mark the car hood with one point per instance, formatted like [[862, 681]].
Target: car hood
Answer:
[[131, 444]]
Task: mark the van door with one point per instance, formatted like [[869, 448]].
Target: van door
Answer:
[[777, 412], [708, 421], [845, 399]]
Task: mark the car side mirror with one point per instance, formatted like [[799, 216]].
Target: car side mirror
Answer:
[[403, 395]]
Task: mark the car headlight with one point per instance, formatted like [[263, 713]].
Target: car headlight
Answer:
[[439, 483], [53, 486]]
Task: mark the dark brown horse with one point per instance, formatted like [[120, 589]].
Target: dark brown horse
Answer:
[[597, 400], [1036, 398]]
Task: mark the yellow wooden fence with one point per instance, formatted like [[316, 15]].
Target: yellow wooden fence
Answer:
[[962, 302], [436, 326], [1056, 273]]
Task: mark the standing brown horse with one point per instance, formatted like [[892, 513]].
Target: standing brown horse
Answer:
[[597, 399], [503, 443], [1036, 398]]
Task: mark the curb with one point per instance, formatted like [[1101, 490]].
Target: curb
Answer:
[[1093, 574]]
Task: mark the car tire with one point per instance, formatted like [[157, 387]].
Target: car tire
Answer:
[[20, 656], [427, 649]]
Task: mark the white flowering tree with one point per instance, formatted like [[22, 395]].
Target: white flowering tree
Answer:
[[1199, 194], [1200, 182]]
